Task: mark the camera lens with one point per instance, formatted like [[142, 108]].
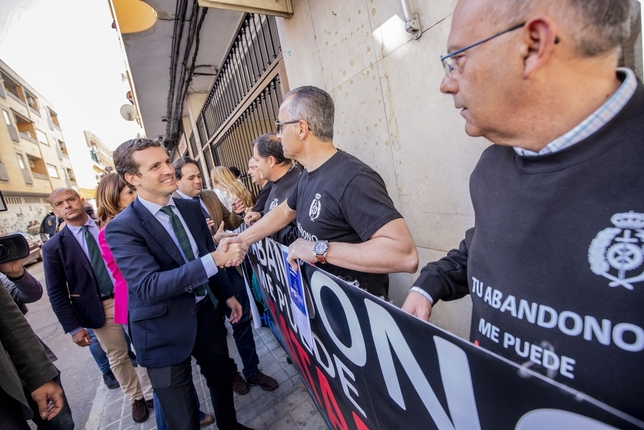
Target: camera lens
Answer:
[[4, 252]]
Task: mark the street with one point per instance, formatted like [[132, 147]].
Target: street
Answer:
[[95, 407], [79, 373]]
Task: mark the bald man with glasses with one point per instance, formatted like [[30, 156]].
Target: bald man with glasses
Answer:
[[554, 262]]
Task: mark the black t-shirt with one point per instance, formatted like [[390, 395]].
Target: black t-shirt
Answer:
[[261, 198], [280, 191], [554, 262], [344, 200]]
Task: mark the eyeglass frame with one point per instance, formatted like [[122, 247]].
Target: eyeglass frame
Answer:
[[279, 125], [449, 68]]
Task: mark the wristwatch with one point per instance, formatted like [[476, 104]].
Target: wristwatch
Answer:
[[320, 249]]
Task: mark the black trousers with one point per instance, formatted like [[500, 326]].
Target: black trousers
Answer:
[[242, 330], [173, 384]]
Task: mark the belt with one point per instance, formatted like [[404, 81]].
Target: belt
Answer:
[[111, 296]]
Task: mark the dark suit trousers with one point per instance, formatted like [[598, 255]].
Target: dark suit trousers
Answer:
[[242, 330], [173, 384]]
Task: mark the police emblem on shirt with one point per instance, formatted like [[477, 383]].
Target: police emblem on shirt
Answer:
[[274, 204], [316, 207], [617, 253]]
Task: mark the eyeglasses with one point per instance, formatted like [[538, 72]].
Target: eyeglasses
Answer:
[[449, 60], [279, 125]]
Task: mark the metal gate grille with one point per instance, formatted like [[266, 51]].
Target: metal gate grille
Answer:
[[233, 148], [244, 100]]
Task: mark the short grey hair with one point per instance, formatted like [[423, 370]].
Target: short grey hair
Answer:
[[596, 26], [316, 107]]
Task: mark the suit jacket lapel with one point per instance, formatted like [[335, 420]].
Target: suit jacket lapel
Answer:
[[158, 233], [67, 237]]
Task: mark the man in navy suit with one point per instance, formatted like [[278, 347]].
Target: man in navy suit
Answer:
[[81, 291], [165, 252]]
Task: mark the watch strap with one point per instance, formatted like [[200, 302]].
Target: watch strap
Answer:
[[321, 257]]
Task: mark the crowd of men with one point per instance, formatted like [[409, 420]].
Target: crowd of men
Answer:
[[539, 79]]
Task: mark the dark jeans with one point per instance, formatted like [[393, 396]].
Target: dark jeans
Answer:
[[242, 329], [173, 384], [62, 421]]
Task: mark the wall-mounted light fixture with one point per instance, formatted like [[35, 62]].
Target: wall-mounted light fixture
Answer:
[[412, 22]]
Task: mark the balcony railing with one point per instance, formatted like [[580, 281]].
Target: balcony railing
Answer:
[[27, 136]]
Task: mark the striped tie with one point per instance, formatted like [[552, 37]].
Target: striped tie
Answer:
[[184, 242]]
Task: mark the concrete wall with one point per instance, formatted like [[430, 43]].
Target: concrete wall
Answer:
[[391, 114]]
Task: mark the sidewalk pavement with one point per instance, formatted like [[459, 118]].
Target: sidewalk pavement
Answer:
[[287, 407]]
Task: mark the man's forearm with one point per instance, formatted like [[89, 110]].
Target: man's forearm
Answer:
[[29, 287], [446, 279], [378, 255], [273, 221]]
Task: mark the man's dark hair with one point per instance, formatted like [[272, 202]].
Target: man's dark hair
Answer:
[[315, 106], [268, 145], [178, 165], [122, 156], [235, 171]]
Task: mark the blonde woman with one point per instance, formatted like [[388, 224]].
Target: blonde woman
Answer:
[[231, 192]]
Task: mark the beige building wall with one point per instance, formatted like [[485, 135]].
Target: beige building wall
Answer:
[[33, 155], [99, 155], [391, 114]]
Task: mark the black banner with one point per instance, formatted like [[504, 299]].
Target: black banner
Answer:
[[373, 366]]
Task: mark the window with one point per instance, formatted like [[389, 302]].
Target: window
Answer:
[[21, 162], [26, 127], [63, 147], [52, 170], [4, 175], [53, 118], [93, 155], [26, 173], [70, 175], [13, 87], [42, 137], [32, 101], [12, 129]]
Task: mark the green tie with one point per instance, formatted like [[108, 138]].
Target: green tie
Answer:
[[98, 264], [184, 242]]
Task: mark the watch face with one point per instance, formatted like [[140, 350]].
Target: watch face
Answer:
[[320, 248]]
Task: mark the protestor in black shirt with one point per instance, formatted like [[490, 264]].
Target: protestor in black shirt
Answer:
[[263, 184], [283, 174], [553, 264], [344, 215]]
